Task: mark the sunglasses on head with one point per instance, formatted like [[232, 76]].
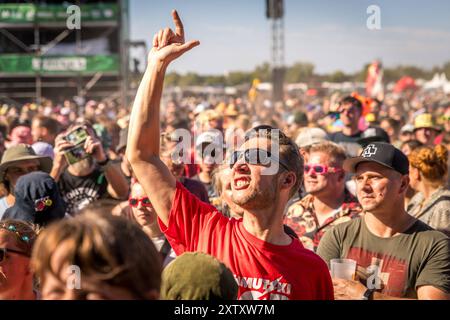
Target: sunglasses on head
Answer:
[[4, 251], [257, 157], [134, 202], [320, 169], [12, 228]]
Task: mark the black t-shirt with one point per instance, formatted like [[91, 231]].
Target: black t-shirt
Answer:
[[196, 187], [78, 192], [208, 186], [339, 137]]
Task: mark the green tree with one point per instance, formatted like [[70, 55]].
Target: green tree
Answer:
[[213, 80], [190, 79], [446, 69], [237, 77], [362, 75], [263, 72], [300, 72], [338, 76], [172, 79]]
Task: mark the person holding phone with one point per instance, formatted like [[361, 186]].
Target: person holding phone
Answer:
[[83, 171]]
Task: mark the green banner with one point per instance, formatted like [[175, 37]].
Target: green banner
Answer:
[[29, 13], [26, 64]]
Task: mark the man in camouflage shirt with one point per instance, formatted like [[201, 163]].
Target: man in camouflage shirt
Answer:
[[328, 202]]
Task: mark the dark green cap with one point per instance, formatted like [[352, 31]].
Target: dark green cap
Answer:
[[198, 276]]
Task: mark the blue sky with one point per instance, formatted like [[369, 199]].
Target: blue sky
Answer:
[[332, 34]]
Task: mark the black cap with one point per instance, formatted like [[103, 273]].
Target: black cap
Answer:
[[373, 134], [37, 200], [382, 153]]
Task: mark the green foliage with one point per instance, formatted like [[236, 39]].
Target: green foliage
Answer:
[[299, 72], [263, 72]]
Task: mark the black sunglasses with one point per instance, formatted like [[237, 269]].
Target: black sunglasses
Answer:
[[256, 156], [3, 252]]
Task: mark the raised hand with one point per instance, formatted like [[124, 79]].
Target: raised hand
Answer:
[[169, 45], [61, 146]]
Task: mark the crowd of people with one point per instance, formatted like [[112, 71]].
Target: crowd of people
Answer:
[[225, 198]]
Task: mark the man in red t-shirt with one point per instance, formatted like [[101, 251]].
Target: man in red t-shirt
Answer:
[[266, 262]]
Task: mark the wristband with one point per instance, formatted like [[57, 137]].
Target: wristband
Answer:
[[104, 163]]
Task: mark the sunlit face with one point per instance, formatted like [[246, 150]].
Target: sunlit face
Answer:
[[414, 173], [14, 269], [63, 285], [145, 216], [37, 131], [377, 187], [426, 135], [21, 168], [319, 183], [406, 136], [394, 112], [251, 189], [387, 127], [21, 134], [350, 114], [210, 156]]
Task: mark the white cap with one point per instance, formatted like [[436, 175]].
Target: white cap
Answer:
[[210, 137], [407, 128], [199, 108], [309, 136]]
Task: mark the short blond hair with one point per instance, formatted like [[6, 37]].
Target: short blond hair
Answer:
[[334, 151]]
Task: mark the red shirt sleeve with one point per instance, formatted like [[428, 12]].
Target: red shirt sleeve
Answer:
[[189, 220]]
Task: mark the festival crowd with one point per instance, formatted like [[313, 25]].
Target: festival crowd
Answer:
[[222, 198]]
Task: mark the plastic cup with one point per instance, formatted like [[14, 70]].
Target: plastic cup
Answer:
[[343, 269]]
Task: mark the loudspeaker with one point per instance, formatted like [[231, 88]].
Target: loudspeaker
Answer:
[[274, 9], [277, 82]]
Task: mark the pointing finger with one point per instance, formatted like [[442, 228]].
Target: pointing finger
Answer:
[[179, 29]]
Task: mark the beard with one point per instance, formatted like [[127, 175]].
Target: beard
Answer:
[[257, 198], [83, 165]]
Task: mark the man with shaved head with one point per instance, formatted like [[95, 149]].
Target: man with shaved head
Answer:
[[397, 256]]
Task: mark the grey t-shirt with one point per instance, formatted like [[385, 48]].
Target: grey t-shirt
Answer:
[[396, 266]]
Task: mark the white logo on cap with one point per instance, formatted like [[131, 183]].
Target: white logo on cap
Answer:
[[369, 151]]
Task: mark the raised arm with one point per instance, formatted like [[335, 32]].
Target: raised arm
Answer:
[[144, 130]]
